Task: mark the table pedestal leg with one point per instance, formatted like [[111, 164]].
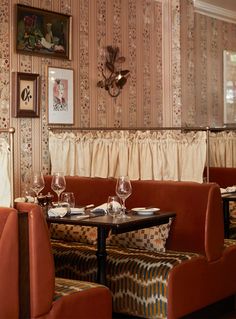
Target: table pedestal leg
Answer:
[[101, 255], [226, 217]]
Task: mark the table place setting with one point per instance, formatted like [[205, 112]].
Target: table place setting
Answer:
[[87, 211], [145, 211], [228, 190]]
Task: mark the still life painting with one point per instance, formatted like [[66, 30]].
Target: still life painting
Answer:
[[42, 32]]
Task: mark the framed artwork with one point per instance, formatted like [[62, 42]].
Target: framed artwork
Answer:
[[42, 32], [60, 96], [25, 95], [229, 66]]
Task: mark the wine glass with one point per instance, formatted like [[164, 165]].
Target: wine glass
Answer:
[[113, 206], [58, 184], [37, 182], [123, 191]]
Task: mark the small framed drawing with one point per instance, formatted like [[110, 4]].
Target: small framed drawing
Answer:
[[43, 32], [60, 96], [25, 95]]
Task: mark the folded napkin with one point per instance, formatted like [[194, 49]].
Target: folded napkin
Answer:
[[57, 212], [27, 199], [229, 189], [77, 211], [102, 207]]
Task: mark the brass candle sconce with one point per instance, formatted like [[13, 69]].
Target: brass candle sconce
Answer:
[[114, 78]]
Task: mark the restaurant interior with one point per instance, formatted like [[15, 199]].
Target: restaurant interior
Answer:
[[118, 156]]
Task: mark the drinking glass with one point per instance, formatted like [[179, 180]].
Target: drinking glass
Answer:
[[123, 191], [37, 182], [113, 206], [68, 200], [58, 184]]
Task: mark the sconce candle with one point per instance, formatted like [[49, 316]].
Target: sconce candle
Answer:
[[117, 78]]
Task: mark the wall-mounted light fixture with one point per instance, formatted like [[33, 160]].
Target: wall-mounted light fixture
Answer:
[[114, 77]]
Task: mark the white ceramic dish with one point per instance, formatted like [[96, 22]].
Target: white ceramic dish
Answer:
[[145, 211]]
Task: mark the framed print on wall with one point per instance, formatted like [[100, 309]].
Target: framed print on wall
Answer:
[[43, 32], [60, 96], [25, 95], [229, 71]]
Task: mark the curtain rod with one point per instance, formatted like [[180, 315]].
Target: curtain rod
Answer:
[[10, 130], [184, 128], [52, 128]]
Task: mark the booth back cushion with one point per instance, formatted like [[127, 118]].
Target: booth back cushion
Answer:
[[82, 234], [153, 238]]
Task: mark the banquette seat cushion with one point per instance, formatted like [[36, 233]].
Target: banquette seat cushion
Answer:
[[136, 277]]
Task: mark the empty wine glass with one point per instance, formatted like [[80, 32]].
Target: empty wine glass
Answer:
[[123, 191], [113, 206], [37, 182], [58, 184]]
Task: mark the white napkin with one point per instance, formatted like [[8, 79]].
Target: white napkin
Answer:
[[57, 212], [26, 199], [77, 211], [100, 207], [229, 189]]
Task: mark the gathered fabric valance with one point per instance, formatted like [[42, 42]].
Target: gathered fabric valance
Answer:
[[5, 188], [158, 155], [223, 149]]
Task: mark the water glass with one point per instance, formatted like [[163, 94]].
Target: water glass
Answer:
[[113, 206], [68, 200]]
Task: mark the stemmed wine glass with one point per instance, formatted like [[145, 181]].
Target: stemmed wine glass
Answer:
[[123, 191], [37, 182], [58, 184]]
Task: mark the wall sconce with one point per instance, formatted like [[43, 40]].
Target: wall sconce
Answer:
[[116, 79]]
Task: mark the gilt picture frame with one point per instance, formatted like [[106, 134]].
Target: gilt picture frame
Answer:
[[43, 32], [25, 94], [60, 95]]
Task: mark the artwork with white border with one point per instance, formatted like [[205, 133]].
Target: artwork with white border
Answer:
[[60, 96]]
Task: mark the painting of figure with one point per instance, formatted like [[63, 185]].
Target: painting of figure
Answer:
[[60, 95]]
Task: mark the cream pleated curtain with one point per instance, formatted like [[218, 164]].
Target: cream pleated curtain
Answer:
[[223, 149], [158, 155], [5, 188]]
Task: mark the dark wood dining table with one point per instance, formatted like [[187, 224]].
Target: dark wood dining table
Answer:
[[106, 223]]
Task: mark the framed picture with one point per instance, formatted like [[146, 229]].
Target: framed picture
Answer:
[[229, 66], [25, 95], [60, 96], [42, 32]]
